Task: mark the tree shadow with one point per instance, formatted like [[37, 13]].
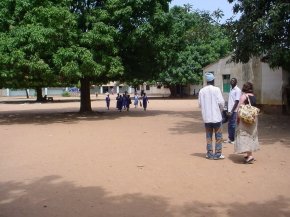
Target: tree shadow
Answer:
[[193, 125], [276, 207], [274, 128], [50, 196], [51, 116], [271, 128]]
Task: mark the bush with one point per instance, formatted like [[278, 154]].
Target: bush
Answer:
[[65, 94]]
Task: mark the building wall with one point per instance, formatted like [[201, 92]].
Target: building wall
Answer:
[[194, 89], [268, 83], [51, 91], [151, 89], [257, 79], [154, 90], [271, 85], [3, 92]]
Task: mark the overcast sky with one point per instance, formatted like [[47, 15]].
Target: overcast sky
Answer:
[[208, 5]]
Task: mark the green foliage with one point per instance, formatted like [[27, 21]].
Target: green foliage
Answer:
[[69, 42], [194, 41], [62, 42], [262, 30], [141, 31], [32, 32], [66, 94]]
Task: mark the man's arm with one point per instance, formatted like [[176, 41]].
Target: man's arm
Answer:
[[199, 100], [235, 106], [221, 101]]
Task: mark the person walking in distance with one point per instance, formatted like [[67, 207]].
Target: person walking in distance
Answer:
[[108, 101], [119, 99], [233, 101], [136, 100], [128, 101], [211, 102], [145, 101]]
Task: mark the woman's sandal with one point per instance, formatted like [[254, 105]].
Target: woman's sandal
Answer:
[[249, 160]]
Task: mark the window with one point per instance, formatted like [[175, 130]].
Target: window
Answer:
[[105, 89], [147, 87], [226, 83]]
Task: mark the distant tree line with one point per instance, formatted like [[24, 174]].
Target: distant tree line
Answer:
[[53, 43]]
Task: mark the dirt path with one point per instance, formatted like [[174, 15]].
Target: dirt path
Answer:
[[55, 162]]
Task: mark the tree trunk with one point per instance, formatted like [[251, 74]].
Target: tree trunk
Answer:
[[85, 96], [38, 94], [173, 91], [180, 90], [27, 95]]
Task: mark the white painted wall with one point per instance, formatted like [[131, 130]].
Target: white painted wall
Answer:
[[268, 82], [271, 85], [158, 91], [194, 88]]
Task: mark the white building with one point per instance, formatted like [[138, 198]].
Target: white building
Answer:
[[112, 87], [269, 84]]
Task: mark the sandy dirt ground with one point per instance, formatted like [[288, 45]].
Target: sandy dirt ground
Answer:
[[55, 162]]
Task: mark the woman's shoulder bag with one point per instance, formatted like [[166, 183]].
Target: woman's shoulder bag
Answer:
[[248, 113]]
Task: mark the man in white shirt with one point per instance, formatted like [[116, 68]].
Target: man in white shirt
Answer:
[[234, 97], [212, 103]]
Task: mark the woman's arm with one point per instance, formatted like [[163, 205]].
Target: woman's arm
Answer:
[[242, 100]]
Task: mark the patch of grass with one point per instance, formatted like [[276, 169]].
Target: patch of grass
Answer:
[[66, 94]]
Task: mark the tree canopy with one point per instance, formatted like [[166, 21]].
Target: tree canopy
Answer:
[[262, 30], [65, 42], [68, 41], [194, 40], [31, 33], [142, 30]]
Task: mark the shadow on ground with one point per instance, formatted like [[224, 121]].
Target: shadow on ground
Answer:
[[21, 100], [51, 116], [272, 128], [51, 196], [237, 158]]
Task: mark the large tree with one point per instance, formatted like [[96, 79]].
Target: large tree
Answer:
[[119, 38], [262, 30], [195, 39], [31, 33], [142, 29], [86, 41], [93, 54]]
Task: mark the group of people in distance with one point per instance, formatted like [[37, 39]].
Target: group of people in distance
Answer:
[[242, 135], [123, 101]]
